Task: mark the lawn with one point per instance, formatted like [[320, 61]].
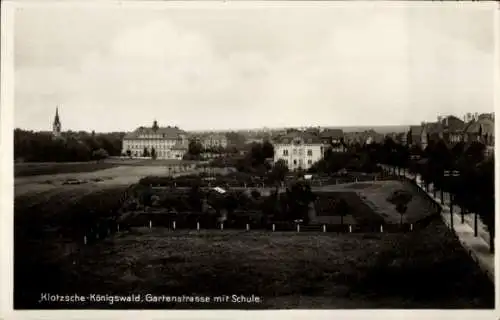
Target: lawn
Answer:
[[359, 211]]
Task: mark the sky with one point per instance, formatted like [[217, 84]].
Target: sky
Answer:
[[230, 66]]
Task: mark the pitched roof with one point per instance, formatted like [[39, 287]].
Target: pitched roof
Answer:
[[416, 130], [332, 133], [305, 136], [433, 127], [487, 126], [166, 132], [452, 124]]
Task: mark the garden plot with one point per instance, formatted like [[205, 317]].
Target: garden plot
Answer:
[[377, 198]]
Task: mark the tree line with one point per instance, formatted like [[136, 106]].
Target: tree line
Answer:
[[79, 146]]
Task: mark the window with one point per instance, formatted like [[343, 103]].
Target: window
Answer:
[[285, 152], [294, 151], [294, 162], [309, 153], [309, 161]]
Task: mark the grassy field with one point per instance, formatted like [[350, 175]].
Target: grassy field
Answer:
[[359, 212], [425, 269], [35, 169], [45, 168]]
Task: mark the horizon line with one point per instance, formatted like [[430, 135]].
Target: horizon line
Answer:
[[234, 129]]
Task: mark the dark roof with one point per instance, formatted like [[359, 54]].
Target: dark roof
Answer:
[[166, 132], [416, 130], [305, 136], [487, 126], [332, 133], [453, 124], [433, 127]]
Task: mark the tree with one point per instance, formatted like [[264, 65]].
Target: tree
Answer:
[[401, 208], [153, 153], [195, 148], [299, 197], [99, 154], [267, 149], [278, 172], [343, 209], [129, 153], [195, 198], [145, 153], [484, 195], [401, 198]]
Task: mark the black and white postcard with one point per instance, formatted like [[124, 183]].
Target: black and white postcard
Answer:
[[249, 155]]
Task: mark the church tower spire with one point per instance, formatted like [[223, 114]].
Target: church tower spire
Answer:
[[56, 126]]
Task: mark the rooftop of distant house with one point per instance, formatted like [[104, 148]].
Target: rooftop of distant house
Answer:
[[304, 137]]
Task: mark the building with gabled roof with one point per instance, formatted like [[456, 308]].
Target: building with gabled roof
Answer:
[[164, 142], [299, 150]]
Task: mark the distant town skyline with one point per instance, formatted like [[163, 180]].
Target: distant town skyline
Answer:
[[242, 66]]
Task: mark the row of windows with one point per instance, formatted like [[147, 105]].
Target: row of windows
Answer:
[[142, 146], [159, 154], [299, 151], [295, 162]]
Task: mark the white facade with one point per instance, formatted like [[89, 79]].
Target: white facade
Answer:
[[298, 154], [214, 141], [168, 143], [164, 148]]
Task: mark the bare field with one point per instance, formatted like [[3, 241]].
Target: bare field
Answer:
[[118, 175]]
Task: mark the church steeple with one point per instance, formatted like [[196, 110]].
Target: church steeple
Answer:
[[56, 126]]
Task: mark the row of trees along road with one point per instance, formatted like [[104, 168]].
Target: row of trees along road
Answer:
[[461, 170]]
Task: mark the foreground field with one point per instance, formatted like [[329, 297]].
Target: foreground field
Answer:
[[424, 269]]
